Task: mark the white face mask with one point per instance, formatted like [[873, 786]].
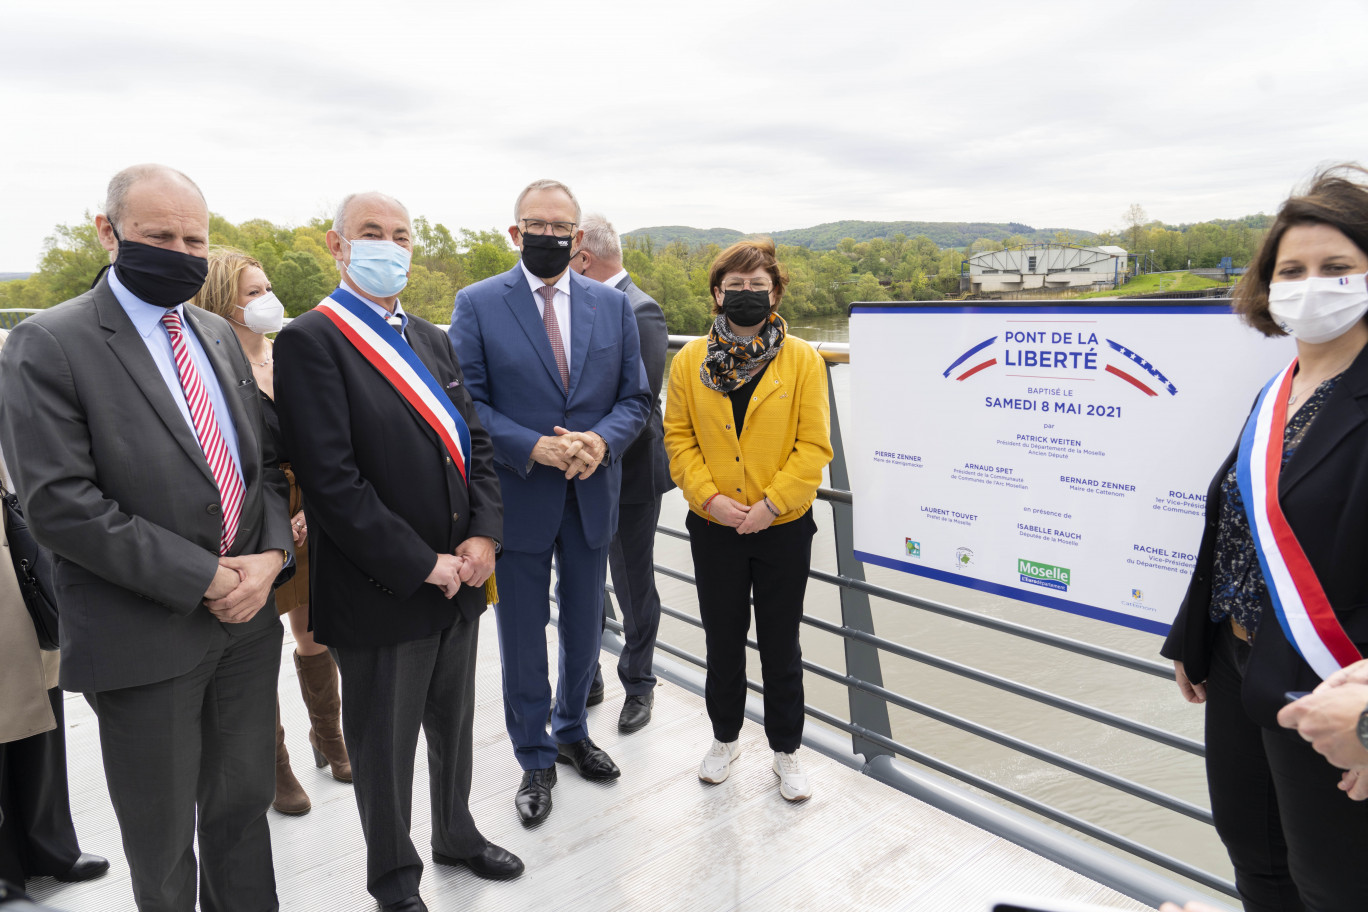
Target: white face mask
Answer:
[[264, 314], [1321, 308]]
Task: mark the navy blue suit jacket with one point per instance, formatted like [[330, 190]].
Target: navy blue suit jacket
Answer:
[[511, 374]]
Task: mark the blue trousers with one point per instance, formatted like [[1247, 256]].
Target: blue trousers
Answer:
[[523, 611]]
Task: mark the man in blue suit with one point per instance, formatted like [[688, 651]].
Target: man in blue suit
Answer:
[[553, 363]]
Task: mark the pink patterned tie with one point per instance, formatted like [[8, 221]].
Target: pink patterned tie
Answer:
[[553, 333], [211, 440]]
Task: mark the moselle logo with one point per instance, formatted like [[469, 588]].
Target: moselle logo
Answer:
[[1047, 575], [1137, 595], [964, 557], [1047, 350], [913, 548]]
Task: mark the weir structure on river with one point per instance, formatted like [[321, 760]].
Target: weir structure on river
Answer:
[[889, 826]]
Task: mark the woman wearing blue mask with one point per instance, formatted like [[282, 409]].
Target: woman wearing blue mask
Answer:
[[748, 432], [1279, 597], [237, 289]]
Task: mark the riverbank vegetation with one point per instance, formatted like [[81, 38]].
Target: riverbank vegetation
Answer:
[[824, 279]]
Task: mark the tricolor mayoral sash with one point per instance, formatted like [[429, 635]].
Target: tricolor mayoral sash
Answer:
[[385, 349], [1303, 611]]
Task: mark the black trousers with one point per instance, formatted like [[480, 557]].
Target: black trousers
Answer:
[[1297, 842], [193, 757], [729, 570], [631, 560], [388, 693], [37, 837]]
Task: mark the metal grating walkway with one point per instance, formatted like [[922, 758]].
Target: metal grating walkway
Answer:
[[655, 840]]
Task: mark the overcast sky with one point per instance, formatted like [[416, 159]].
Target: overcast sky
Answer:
[[735, 113]]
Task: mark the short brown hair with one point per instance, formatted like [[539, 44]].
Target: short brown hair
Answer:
[[748, 256], [219, 294], [1337, 197]]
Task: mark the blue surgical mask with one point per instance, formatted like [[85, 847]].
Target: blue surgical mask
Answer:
[[378, 268]]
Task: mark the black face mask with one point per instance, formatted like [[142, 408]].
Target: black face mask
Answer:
[[546, 256], [746, 308], [159, 276]]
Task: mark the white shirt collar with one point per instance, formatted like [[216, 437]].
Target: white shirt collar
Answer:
[[612, 281], [562, 284], [147, 318]]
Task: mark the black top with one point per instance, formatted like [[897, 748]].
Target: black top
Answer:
[[270, 418], [1237, 585], [741, 397]]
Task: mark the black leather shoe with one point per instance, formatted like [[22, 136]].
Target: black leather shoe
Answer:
[[534, 795], [596, 688], [636, 712], [413, 904], [87, 867], [589, 759], [493, 863]]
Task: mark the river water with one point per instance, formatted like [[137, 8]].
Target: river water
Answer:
[[1135, 695]]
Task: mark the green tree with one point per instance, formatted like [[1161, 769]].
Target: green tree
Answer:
[[299, 282], [72, 257], [485, 254]]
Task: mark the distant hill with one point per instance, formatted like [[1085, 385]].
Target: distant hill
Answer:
[[667, 234], [11, 276], [828, 235]]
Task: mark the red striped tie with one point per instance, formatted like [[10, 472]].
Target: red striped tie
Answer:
[[553, 334], [211, 440]]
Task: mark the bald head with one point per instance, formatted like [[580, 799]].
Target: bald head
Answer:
[[116, 197], [157, 206], [368, 201]]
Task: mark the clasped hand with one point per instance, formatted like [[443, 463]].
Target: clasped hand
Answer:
[[743, 518], [471, 565], [576, 453], [241, 585]]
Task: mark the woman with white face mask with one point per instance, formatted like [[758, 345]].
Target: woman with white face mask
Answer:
[[1279, 597], [238, 290]]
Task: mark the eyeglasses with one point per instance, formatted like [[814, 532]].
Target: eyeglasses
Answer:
[[555, 229], [743, 284]]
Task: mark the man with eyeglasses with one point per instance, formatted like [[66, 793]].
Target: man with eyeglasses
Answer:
[[553, 362]]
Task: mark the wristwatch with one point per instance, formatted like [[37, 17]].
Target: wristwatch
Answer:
[[1363, 728]]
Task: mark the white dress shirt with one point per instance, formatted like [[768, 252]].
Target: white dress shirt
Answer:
[[147, 320], [561, 302]]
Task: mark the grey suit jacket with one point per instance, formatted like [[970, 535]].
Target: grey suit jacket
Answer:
[[113, 480], [645, 468]]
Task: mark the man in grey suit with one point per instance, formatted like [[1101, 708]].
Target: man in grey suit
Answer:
[[133, 430], [645, 478]]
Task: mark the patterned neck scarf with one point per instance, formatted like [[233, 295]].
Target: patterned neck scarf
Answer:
[[733, 359]]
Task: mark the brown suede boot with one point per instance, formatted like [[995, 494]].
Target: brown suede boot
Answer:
[[289, 794], [318, 684]]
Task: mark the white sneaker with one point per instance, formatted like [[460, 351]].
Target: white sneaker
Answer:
[[793, 782], [717, 761]]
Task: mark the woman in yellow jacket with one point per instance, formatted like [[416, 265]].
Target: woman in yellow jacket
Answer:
[[748, 431]]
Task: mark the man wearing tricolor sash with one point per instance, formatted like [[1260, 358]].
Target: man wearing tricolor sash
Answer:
[[405, 518], [1278, 601]]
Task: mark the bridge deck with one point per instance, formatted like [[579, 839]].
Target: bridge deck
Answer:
[[657, 839]]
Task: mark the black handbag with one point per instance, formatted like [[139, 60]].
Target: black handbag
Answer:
[[33, 568]]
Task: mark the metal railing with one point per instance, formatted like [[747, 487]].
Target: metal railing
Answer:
[[868, 721]]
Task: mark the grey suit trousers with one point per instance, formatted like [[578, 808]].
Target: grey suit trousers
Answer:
[[388, 692], [200, 742], [631, 560]]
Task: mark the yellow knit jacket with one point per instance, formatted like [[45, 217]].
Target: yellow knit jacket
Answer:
[[784, 444]]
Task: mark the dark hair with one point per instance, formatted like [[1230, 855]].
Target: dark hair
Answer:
[[1337, 197], [748, 256]]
